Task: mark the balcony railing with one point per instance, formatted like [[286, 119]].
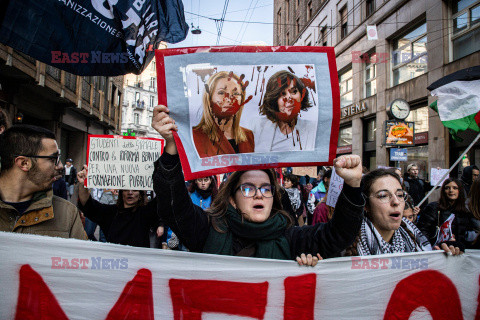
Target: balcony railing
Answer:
[[53, 72], [26, 57], [96, 99], [71, 81], [86, 90], [139, 105]]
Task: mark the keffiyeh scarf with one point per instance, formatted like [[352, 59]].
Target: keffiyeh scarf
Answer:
[[372, 243], [294, 195]]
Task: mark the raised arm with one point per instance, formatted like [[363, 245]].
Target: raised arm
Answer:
[[175, 206], [329, 239]]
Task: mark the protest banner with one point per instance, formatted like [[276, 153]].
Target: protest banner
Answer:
[[120, 162], [436, 175], [334, 189], [246, 107], [52, 278]]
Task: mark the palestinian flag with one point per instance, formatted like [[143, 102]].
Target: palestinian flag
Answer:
[[458, 103]]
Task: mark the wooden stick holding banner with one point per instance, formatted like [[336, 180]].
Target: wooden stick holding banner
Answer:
[[118, 162], [449, 170]]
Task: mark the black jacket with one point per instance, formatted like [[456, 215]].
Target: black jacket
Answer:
[[191, 224], [72, 177], [417, 188], [432, 217], [123, 226]]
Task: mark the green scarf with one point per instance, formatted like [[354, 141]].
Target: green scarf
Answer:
[[269, 236]]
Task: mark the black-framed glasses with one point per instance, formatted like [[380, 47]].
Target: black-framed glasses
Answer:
[[56, 158], [249, 190], [386, 196]]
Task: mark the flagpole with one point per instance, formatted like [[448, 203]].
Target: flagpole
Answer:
[[449, 170]]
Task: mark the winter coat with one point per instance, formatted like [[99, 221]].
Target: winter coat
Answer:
[[417, 188], [123, 226], [192, 225], [467, 178], [198, 200], [432, 218], [46, 215]]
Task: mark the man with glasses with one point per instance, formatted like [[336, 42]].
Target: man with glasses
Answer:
[[30, 162]]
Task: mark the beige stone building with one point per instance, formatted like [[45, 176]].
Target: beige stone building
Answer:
[[140, 97], [418, 43], [69, 105]]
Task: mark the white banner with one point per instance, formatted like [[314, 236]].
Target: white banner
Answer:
[[118, 162], [52, 278]]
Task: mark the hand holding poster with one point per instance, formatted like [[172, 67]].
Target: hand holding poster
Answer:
[[118, 162], [436, 175], [334, 189], [241, 108]]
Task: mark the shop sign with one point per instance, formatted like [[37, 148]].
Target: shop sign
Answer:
[[344, 149], [421, 137], [399, 133], [353, 109], [397, 154]]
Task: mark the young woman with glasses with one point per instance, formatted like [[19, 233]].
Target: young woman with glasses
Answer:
[[246, 218], [384, 229]]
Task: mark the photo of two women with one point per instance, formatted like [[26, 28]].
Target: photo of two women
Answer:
[[244, 109]]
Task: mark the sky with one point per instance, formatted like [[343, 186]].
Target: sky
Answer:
[[198, 12]]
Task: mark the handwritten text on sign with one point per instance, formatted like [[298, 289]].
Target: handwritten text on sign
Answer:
[[115, 162], [334, 190]]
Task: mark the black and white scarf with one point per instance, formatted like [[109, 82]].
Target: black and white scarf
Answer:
[[372, 243]]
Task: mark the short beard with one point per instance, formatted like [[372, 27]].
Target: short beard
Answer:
[[36, 177]]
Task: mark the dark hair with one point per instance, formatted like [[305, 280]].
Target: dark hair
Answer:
[[219, 206], [459, 205], [474, 198], [369, 179], [409, 203], [4, 120], [142, 200], [277, 83], [327, 174], [212, 188], [293, 179], [21, 140]]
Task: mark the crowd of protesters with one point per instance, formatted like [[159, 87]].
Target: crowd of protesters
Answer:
[[250, 214]]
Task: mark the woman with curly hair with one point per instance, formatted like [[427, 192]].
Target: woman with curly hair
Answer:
[[219, 130], [282, 128]]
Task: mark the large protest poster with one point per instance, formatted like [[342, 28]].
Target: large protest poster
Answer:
[[120, 162], [53, 278], [251, 107]]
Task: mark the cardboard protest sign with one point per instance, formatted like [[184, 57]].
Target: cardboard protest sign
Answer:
[[241, 108], [303, 171], [436, 175], [119, 162], [57, 278], [334, 189]]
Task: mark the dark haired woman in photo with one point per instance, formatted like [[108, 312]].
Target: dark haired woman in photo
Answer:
[[384, 230], [452, 201], [246, 217], [282, 128], [128, 222]]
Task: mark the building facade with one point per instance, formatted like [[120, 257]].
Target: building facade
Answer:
[[418, 42], [71, 106], [140, 98]]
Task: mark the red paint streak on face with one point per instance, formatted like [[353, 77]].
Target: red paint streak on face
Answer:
[[244, 86], [294, 82], [217, 110], [283, 117], [230, 75]]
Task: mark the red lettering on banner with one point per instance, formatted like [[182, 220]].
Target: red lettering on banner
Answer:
[[300, 297], [190, 298], [432, 290], [136, 300], [35, 300]]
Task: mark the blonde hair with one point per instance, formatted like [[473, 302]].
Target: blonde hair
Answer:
[[207, 123]]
